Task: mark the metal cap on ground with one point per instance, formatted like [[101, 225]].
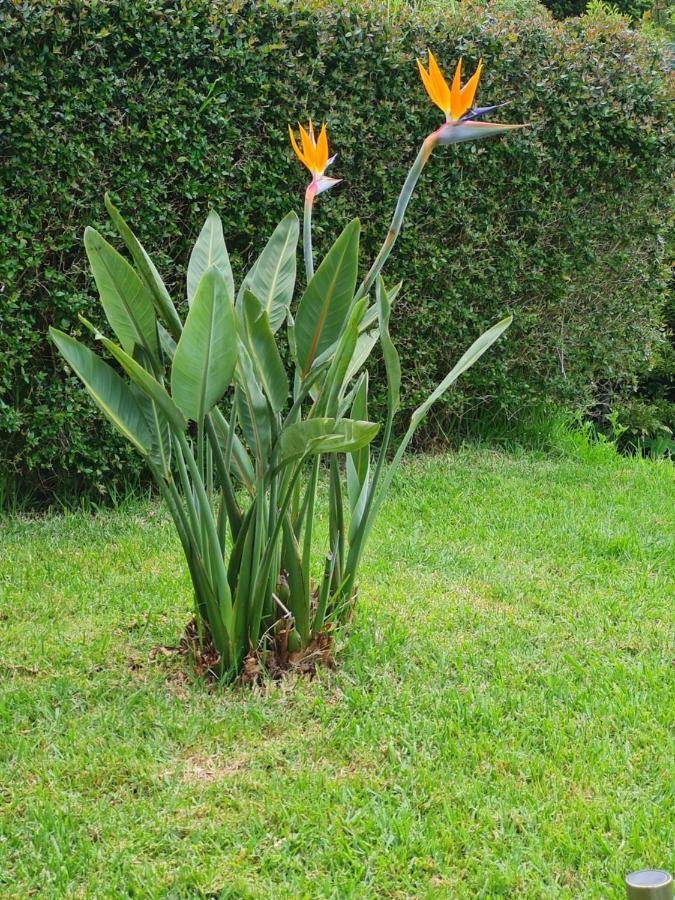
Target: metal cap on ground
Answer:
[[649, 884]]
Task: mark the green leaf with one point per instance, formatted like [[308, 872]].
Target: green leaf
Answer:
[[357, 464], [369, 334], [252, 408], [392, 363], [156, 421], [240, 464], [331, 390], [272, 277], [361, 457], [364, 346], [264, 353], [148, 384], [370, 317], [108, 390], [126, 300], [149, 274], [206, 354], [475, 351], [210, 250], [313, 436], [325, 305], [160, 453]]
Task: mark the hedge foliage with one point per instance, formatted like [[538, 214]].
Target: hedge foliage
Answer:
[[563, 9], [179, 107]]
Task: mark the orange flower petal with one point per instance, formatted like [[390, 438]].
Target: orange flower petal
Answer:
[[426, 81], [314, 153], [322, 149], [294, 144], [440, 86], [307, 147], [429, 86], [455, 92], [468, 92]]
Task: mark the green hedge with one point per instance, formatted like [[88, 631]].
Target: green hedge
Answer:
[[177, 107], [563, 9]]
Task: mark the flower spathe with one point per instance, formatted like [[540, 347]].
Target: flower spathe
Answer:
[[456, 101], [314, 156]]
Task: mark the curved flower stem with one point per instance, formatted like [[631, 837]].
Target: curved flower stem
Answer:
[[310, 194], [401, 205]]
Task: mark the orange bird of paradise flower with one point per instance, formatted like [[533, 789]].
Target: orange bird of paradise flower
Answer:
[[456, 101], [314, 155]]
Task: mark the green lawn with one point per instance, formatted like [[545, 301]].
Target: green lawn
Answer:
[[499, 725]]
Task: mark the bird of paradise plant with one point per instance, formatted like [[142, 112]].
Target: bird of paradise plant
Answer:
[[234, 445]]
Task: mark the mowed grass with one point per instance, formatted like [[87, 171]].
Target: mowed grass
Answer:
[[500, 723]]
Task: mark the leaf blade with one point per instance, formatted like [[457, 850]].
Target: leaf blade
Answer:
[[272, 277], [149, 384], [125, 299], [107, 389], [324, 307], [324, 435], [209, 250], [264, 353], [206, 354], [147, 270]]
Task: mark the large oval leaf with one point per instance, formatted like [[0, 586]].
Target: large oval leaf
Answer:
[[109, 392], [272, 277], [126, 300], [160, 453], [324, 308], [206, 354], [313, 436], [210, 250]]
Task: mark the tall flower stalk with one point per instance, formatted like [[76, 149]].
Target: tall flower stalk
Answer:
[[233, 443], [314, 155]]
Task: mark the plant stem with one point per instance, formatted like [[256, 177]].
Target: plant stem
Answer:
[[309, 519], [401, 205], [187, 490], [310, 194], [222, 462], [218, 566]]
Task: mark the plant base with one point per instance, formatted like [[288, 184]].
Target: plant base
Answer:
[[274, 661]]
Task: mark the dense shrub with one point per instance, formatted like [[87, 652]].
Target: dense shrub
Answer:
[[646, 417], [177, 107], [563, 9]]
